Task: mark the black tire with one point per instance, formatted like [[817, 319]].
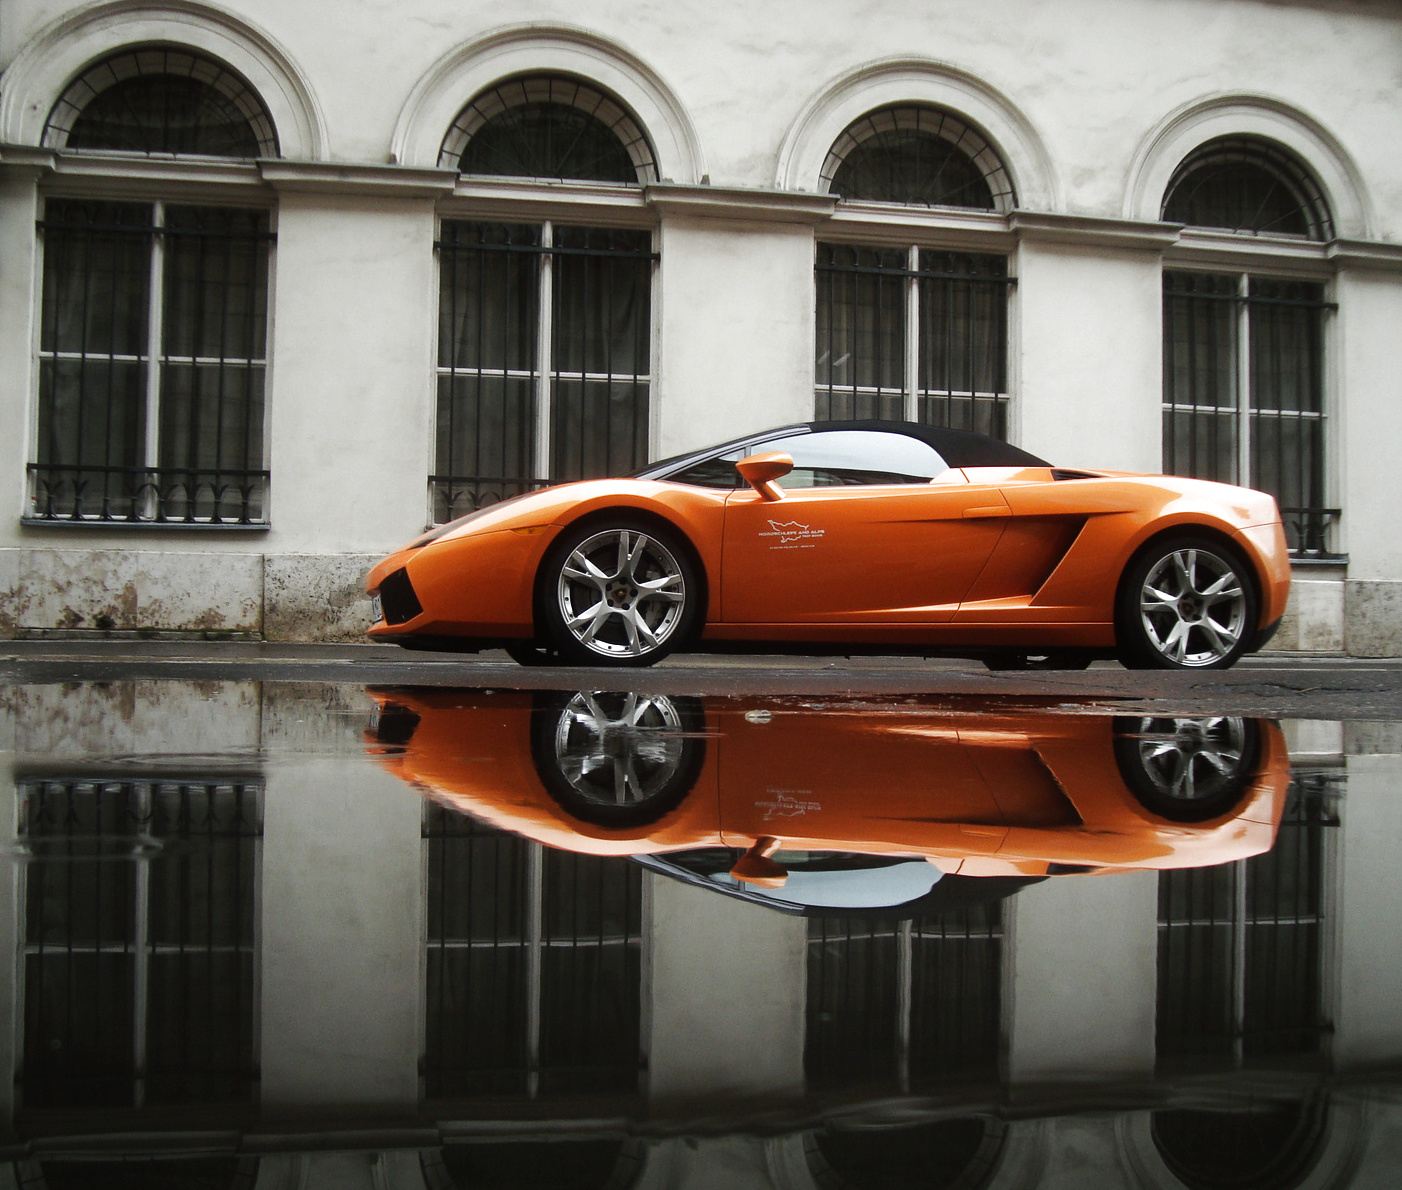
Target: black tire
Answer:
[[619, 591], [1187, 770], [618, 759], [1186, 602]]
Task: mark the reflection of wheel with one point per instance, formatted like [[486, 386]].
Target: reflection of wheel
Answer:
[[1066, 659], [618, 592], [618, 759], [1187, 770], [1186, 603]]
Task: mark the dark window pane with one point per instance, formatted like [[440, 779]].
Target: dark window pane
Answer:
[[1248, 185], [918, 155], [158, 100], [861, 332], [1200, 376]]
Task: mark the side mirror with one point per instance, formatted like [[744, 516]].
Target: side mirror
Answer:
[[755, 866], [760, 471]]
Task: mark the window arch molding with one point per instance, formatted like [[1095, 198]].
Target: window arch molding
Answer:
[[1165, 148], [59, 54], [901, 82], [475, 67]]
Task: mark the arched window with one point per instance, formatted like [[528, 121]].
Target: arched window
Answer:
[[1247, 184], [1244, 365], [548, 126], [153, 323], [162, 100], [915, 332], [920, 156], [1261, 1144]]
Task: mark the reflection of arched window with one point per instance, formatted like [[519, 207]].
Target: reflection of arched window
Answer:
[[935, 1156], [161, 100], [548, 126], [1263, 1146], [1246, 184], [918, 155], [1244, 363]]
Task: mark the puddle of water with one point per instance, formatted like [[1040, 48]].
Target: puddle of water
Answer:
[[610, 939]]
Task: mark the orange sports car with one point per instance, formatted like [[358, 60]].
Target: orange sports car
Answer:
[[755, 796], [851, 537]]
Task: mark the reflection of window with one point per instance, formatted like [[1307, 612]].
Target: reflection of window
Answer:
[[152, 360], [139, 952], [944, 1155], [1241, 948], [912, 334], [544, 341], [904, 1004], [533, 969]]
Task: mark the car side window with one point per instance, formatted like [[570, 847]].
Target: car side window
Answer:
[[829, 458], [842, 458]]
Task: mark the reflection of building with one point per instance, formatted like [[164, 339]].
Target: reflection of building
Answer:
[[359, 986], [274, 323]]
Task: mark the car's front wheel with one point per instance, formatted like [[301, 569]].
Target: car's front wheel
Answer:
[[617, 592], [1185, 603]]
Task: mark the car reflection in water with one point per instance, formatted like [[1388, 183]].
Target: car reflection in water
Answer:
[[842, 808]]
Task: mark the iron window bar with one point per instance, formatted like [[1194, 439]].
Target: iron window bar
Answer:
[[212, 497]]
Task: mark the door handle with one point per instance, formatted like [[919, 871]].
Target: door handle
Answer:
[[987, 511]]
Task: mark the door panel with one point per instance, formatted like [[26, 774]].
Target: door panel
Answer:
[[890, 554]]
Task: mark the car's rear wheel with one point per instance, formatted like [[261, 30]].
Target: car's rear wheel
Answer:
[[1187, 602], [618, 592]]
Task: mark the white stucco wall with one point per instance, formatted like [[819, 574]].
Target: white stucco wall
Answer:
[[1090, 103]]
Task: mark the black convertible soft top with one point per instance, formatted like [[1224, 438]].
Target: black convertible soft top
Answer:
[[958, 448]]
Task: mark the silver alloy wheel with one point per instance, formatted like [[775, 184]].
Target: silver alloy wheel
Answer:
[[618, 749], [1193, 606], [1192, 760], [621, 593]]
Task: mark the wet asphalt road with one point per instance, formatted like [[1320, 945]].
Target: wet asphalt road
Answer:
[[1291, 686]]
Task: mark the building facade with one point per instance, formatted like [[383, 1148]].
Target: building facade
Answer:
[[276, 292]]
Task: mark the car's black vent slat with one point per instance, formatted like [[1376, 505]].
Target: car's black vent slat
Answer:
[[1067, 473], [397, 598]]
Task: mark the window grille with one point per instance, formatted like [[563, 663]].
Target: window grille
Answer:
[[912, 334], [1244, 392], [1241, 947], [544, 342], [1245, 184], [921, 156], [161, 100], [140, 957], [534, 966], [904, 1004], [548, 126], [152, 365]]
